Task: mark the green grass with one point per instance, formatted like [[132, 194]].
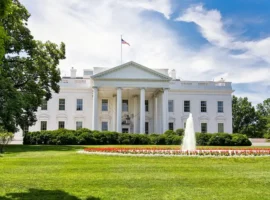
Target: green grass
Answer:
[[58, 172]]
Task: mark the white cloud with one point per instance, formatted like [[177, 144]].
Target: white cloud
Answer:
[[212, 28], [210, 24], [91, 32]]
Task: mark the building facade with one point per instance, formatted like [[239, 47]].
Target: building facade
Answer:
[[135, 99]]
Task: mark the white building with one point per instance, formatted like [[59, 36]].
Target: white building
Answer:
[[136, 99]]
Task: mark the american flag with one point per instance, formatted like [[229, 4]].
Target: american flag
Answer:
[[124, 42]]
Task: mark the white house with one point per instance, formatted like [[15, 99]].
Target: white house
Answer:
[[136, 99]]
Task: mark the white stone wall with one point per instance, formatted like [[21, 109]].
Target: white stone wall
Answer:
[[211, 117], [70, 115], [178, 117]]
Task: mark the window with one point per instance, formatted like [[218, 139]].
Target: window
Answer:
[[104, 105], [220, 106], [146, 127], [78, 125], [44, 105], [79, 104], [204, 127], [124, 130], [104, 126], [125, 105], [146, 106], [43, 125], [61, 124], [220, 128], [170, 105], [185, 125], [62, 103], [203, 106], [186, 106], [171, 126]]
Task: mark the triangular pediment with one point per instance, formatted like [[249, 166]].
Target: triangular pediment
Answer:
[[131, 70]]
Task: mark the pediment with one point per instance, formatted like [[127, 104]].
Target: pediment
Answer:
[[131, 70]]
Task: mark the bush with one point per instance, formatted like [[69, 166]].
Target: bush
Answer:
[[88, 137], [220, 139], [5, 138], [240, 140], [202, 139], [266, 135], [180, 132], [169, 132]]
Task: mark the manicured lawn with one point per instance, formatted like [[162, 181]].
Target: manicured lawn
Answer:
[[58, 172]]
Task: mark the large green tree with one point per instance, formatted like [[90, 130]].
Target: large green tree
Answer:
[[4, 9], [246, 119], [264, 110], [28, 70]]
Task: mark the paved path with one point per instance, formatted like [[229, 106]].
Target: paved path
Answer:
[[259, 142]]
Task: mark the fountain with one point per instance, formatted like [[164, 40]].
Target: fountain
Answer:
[[188, 148], [189, 141]]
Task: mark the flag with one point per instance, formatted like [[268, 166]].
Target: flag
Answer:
[[124, 42]]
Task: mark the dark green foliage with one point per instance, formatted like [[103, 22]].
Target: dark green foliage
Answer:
[[248, 120], [88, 137], [169, 132], [203, 138], [29, 69], [240, 140], [220, 139], [180, 131], [267, 135]]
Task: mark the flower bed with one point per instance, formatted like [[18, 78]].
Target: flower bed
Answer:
[[176, 151]]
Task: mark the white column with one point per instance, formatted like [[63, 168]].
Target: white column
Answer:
[[119, 111], [142, 111], [95, 109], [155, 114], [165, 109], [114, 113], [135, 112]]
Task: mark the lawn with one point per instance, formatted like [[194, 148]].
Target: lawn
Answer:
[[58, 172]]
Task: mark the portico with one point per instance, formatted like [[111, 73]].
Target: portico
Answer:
[[138, 95]]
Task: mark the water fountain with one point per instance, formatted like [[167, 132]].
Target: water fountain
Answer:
[[188, 148], [189, 141]]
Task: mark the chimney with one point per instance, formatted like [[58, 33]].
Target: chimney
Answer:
[[173, 74], [73, 72]]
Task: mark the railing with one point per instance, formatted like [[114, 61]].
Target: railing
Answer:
[[74, 83], [201, 85]]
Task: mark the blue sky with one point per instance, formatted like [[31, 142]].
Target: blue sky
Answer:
[[202, 40]]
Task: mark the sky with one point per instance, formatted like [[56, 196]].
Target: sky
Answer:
[[203, 40]]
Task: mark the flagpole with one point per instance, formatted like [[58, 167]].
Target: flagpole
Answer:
[[121, 49]]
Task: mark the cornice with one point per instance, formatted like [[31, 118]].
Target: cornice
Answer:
[[167, 78]]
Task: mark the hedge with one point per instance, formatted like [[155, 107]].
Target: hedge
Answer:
[[88, 137]]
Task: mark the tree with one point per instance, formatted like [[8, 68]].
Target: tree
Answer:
[[264, 110], [28, 72], [4, 9], [243, 114], [246, 119]]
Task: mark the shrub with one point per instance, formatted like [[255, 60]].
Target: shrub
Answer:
[[5, 138], [220, 139], [202, 138], [169, 132], [161, 140], [180, 132], [88, 137], [240, 140], [266, 135]]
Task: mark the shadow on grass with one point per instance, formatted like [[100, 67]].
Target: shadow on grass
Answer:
[[38, 194], [31, 148]]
